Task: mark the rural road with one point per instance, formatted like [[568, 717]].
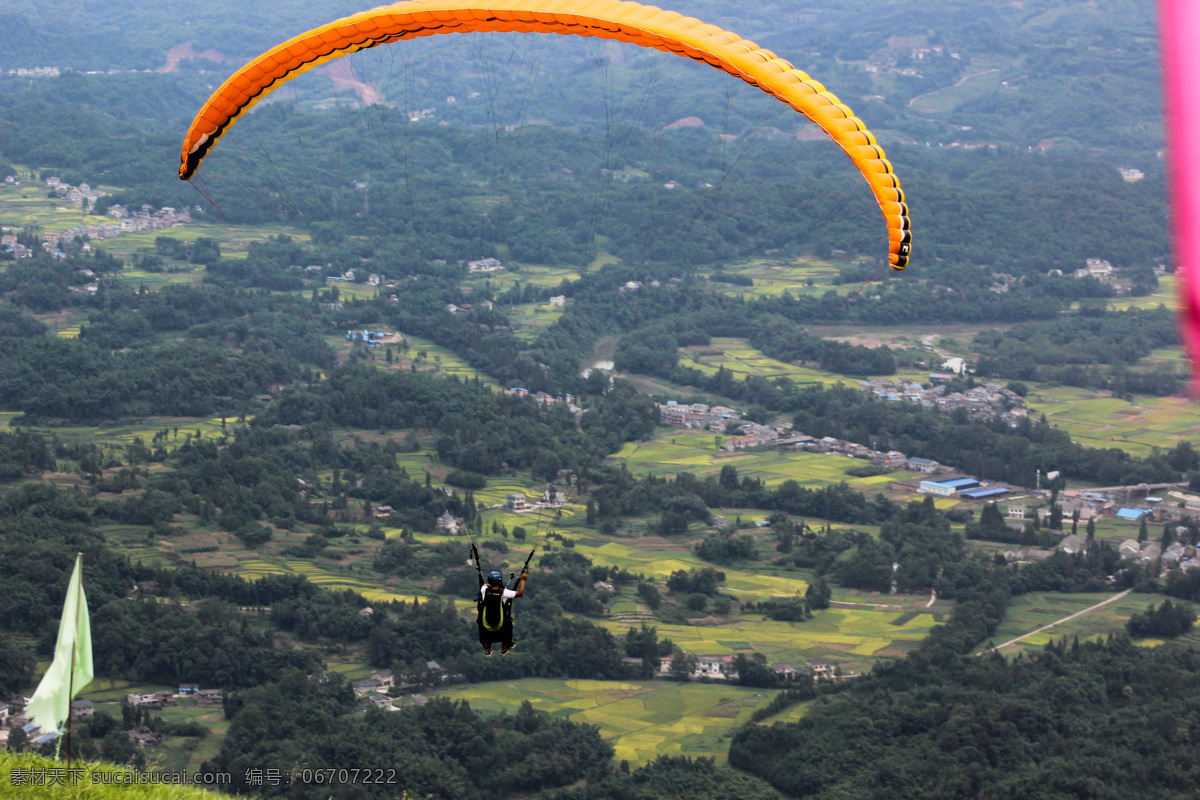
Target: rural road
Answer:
[[1112, 599]]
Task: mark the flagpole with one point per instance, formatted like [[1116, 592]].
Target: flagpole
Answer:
[[70, 696]]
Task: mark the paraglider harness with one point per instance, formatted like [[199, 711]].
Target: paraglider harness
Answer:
[[494, 611]]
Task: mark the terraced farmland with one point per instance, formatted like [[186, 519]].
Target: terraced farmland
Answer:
[[643, 720], [252, 568]]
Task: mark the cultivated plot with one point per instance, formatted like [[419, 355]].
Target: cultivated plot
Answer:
[[642, 720], [674, 450], [1096, 419], [1029, 612]]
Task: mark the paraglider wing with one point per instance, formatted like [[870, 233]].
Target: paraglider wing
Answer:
[[646, 26]]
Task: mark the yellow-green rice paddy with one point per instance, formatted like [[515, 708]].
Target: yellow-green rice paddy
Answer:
[[255, 568], [642, 720], [674, 450], [1098, 420], [838, 633]]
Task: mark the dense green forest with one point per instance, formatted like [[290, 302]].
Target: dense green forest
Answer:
[[1103, 719]]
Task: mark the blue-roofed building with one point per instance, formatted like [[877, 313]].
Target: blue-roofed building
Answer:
[[981, 494], [1132, 513], [947, 488], [36, 736]]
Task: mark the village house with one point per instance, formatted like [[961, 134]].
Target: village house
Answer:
[[925, 465], [383, 678], [143, 736], [141, 698], [484, 265], [1095, 268], [558, 300], [892, 459], [820, 669], [673, 415], [1151, 552], [1075, 543], [379, 682], [785, 672], [1024, 555], [515, 502], [210, 697], [437, 673], [713, 667], [449, 524], [82, 709], [378, 701]]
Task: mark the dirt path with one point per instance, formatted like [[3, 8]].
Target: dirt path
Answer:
[[1089, 609]]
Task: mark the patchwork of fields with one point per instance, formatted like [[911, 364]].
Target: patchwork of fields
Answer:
[[804, 276], [1098, 420], [851, 637], [643, 720], [674, 450], [252, 568]]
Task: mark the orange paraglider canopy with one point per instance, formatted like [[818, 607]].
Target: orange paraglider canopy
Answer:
[[646, 26]]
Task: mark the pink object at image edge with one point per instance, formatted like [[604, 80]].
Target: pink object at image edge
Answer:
[[1179, 25]]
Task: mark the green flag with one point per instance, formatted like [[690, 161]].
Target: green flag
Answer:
[[72, 668]]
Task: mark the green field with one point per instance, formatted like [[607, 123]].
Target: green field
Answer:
[[1165, 296], [154, 281], [642, 720], [1098, 420], [28, 204], [543, 275], [436, 358], [739, 358], [972, 87], [334, 579], [1032, 611], [531, 320], [122, 435], [674, 450], [854, 638], [804, 276]]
